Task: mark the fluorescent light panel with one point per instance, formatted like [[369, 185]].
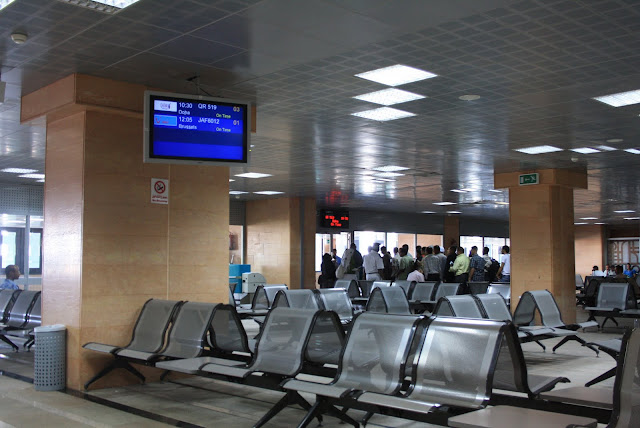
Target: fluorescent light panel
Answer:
[[237, 192], [624, 211], [632, 218], [427, 212], [589, 218], [231, 179], [585, 150], [580, 223], [253, 175], [106, 6], [396, 75], [536, 150], [5, 3], [390, 168], [19, 170], [383, 114], [444, 203], [268, 192], [620, 99], [459, 191], [633, 151], [454, 212], [389, 174], [38, 176], [389, 97], [606, 148]]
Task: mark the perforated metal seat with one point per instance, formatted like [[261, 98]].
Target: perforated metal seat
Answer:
[[299, 299], [480, 287], [423, 291], [365, 288], [458, 306], [502, 289], [18, 316], [326, 340], [263, 300], [148, 336], [454, 368], [345, 283], [407, 286], [7, 299], [390, 300], [337, 300], [614, 300]]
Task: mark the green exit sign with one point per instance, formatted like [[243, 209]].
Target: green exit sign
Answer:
[[528, 179]]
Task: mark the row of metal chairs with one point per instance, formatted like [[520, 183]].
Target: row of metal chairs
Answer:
[[411, 366], [614, 300], [20, 313]]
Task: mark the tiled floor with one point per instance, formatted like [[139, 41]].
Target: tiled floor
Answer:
[[197, 401]]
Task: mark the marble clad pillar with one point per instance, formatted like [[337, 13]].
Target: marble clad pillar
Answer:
[[451, 235], [107, 248], [542, 234]]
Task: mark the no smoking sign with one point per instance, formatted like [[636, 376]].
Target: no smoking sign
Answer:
[[159, 191]]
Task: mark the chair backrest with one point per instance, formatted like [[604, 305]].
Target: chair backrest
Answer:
[[365, 288], [545, 303], [458, 306], [336, 300], [503, 289], [626, 388], [494, 306], [188, 334], [478, 287], [283, 340], [326, 340], [344, 283], [390, 300], [423, 291], [457, 360], [612, 295], [511, 369], [354, 290], [265, 295], [19, 312], [7, 299], [300, 299], [152, 324], [446, 289], [579, 281], [407, 286], [35, 315], [227, 333], [232, 299], [377, 284], [374, 357]]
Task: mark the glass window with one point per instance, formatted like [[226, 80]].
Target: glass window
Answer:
[[341, 242], [366, 239], [469, 241], [236, 244], [495, 247]]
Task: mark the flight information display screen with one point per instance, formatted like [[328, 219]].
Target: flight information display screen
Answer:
[[194, 129]]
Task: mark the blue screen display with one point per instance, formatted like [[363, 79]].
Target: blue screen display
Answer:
[[189, 129]]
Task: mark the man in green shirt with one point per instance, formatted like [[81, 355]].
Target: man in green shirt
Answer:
[[460, 267], [405, 264]]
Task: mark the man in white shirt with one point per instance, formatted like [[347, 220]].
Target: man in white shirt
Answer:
[[373, 264], [597, 272], [504, 273], [417, 275]]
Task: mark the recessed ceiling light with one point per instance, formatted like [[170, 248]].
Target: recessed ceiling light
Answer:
[[621, 98], [106, 6], [389, 97], [502, 203], [38, 176], [5, 3], [454, 212], [606, 148], [599, 223], [389, 174], [615, 140], [495, 190], [427, 212], [624, 211], [19, 170], [585, 150], [580, 223], [444, 203], [253, 175], [459, 191], [236, 192], [536, 150], [396, 75], [390, 168], [632, 218], [469, 97], [589, 218], [268, 192], [633, 151], [383, 114], [40, 181], [231, 179]]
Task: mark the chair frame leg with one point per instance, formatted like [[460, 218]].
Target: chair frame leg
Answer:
[[290, 398], [8, 342], [117, 364], [577, 339], [603, 376], [544, 348]]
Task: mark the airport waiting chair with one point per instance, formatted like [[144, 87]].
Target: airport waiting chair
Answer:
[[389, 300], [262, 301], [423, 291], [550, 316], [407, 286], [478, 287], [337, 300], [325, 343], [365, 288], [504, 289], [7, 299], [464, 306], [148, 336], [18, 317], [299, 299], [346, 284], [34, 320], [377, 343], [614, 300]]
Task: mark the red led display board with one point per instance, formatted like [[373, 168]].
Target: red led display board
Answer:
[[334, 219]]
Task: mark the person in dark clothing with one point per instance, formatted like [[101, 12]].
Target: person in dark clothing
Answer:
[[328, 277], [386, 261], [451, 257], [356, 261]]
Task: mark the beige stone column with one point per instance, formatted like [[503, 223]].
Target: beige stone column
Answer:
[[451, 235], [542, 234], [280, 240], [107, 248]]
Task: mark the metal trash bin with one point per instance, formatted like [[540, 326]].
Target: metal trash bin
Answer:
[[49, 371]]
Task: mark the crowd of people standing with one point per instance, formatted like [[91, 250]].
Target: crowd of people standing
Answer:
[[429, 264]]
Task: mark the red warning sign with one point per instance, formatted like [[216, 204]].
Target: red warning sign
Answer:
[[159, 191]]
